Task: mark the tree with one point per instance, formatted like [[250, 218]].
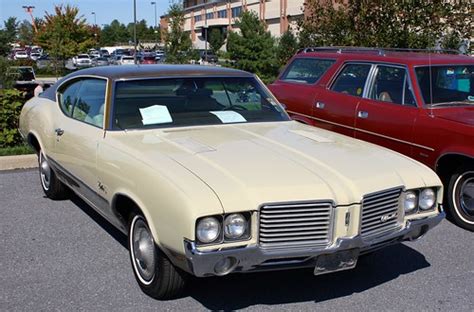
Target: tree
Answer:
[[114, 33], [25, 33], [178, 45], [144, 33], [64, 33], [216, 39], [287, 47], [8, 35], [397, 24], [253, 48]]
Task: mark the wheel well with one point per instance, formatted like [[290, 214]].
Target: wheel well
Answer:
[[33, 142], [447, 164], [124, 207]]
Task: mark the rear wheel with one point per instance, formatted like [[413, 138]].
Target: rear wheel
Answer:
[[52, 187], [460, 197], [154, 272]]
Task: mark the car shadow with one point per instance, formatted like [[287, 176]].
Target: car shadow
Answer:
[[238, 291], [101, 221], [242, 290]]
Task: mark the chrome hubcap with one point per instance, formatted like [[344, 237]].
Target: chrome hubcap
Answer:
[[467, 196], [143, 250], [45, 172]]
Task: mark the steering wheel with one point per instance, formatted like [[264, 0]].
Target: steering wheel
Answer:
[[236, 107]]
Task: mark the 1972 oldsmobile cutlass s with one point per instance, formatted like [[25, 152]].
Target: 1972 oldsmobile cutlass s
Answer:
[[207, 174]]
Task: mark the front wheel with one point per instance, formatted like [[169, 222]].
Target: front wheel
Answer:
[[52, 187], [460, 197], [154, 272]]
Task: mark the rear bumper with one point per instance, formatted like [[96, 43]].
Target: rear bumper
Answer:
[[253, 258]]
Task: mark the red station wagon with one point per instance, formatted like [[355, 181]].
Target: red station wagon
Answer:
[[417, 103]]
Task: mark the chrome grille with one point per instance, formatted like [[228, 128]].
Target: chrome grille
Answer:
[[380, 213], [295, 225]]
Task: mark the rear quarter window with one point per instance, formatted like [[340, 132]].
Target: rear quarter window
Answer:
[[306, 70]]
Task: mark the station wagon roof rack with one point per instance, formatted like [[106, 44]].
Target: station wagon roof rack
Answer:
[[379, 51]]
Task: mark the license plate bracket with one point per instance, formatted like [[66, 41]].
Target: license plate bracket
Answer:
[[338, 261]]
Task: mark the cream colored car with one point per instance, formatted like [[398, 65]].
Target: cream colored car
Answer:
[[207, 175]]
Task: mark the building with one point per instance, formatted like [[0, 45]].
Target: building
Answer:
[[222, 14]]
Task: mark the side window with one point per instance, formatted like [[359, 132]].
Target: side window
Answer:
[[306, 70], [90, 103], [391, 84], [351, 79], [68, 97]]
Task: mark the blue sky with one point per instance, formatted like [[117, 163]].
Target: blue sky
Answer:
[[106, 10]]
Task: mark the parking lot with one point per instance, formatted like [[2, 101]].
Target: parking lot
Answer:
[[60, 255]]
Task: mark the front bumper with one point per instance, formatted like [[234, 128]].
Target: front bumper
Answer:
[[253, 258]]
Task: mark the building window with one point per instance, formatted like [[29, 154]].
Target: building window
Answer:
[[197, 18], [222, 14], [209, 16], [236, 11]]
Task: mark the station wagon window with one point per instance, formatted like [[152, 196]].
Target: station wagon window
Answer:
[[67, 97], [179, 102], [351, 80], [90, 103], [391, 84], [306, 70]]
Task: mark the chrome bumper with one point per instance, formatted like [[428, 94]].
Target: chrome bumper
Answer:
[[253, 258]]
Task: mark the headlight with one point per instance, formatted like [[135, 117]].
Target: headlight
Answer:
[[208, 230], [235, 226], [410, 202], [427, 199]]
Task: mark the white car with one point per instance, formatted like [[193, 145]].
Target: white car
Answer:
[[34, 56], [126, 60], [20, 55], [82, 60]]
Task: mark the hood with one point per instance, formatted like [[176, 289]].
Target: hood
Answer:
[[464, 114], [248, 165]]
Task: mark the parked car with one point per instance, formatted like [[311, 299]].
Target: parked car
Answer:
[[35, 56], [82, 60], [148, 59], [126, 60], [419, 104], [207, 174], [43, 61], [20, 55], [25, 79], [208, 57], [100, 61]]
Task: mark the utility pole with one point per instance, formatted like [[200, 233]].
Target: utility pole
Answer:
[[135, 30], [29, 10], [95, 18], [156, 25]]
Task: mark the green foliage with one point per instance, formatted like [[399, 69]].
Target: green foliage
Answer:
[[11, 102], [398, 24], [216, 39], [253, 49], [8, 35], [178, 45], [287, 47], [114, 33], [64, 33], [6, 80], [16, 150], [25, 33]]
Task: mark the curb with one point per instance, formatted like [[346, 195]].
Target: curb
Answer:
[[18, 162]]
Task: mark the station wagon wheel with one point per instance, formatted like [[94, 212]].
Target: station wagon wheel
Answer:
[[52, 187], [154, 272], [460, 197]]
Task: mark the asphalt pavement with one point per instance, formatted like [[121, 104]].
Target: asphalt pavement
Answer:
[[62, 256]]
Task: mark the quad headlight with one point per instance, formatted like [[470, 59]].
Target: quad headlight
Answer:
[[235, 226], [410, 202], [427, 199], [208, 230]]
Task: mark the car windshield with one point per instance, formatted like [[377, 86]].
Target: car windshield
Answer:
[[180, 102], [82, 56], [446, 84]]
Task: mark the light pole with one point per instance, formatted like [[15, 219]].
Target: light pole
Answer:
[[156, 25], [135, 30], [95, 18]]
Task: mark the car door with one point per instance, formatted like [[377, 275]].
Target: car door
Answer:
[[335, 108], [387, 115], [298, 86], [79, 131]]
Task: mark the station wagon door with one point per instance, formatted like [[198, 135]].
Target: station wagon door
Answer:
[[79, 130], [387, 115]]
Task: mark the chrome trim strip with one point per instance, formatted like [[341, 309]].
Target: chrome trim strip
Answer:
[[362, 130]]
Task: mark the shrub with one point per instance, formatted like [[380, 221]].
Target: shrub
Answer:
[[11, 102]]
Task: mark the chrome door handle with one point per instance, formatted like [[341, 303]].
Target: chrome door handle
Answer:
[[319, 105], [59, 131], [362, 114]]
